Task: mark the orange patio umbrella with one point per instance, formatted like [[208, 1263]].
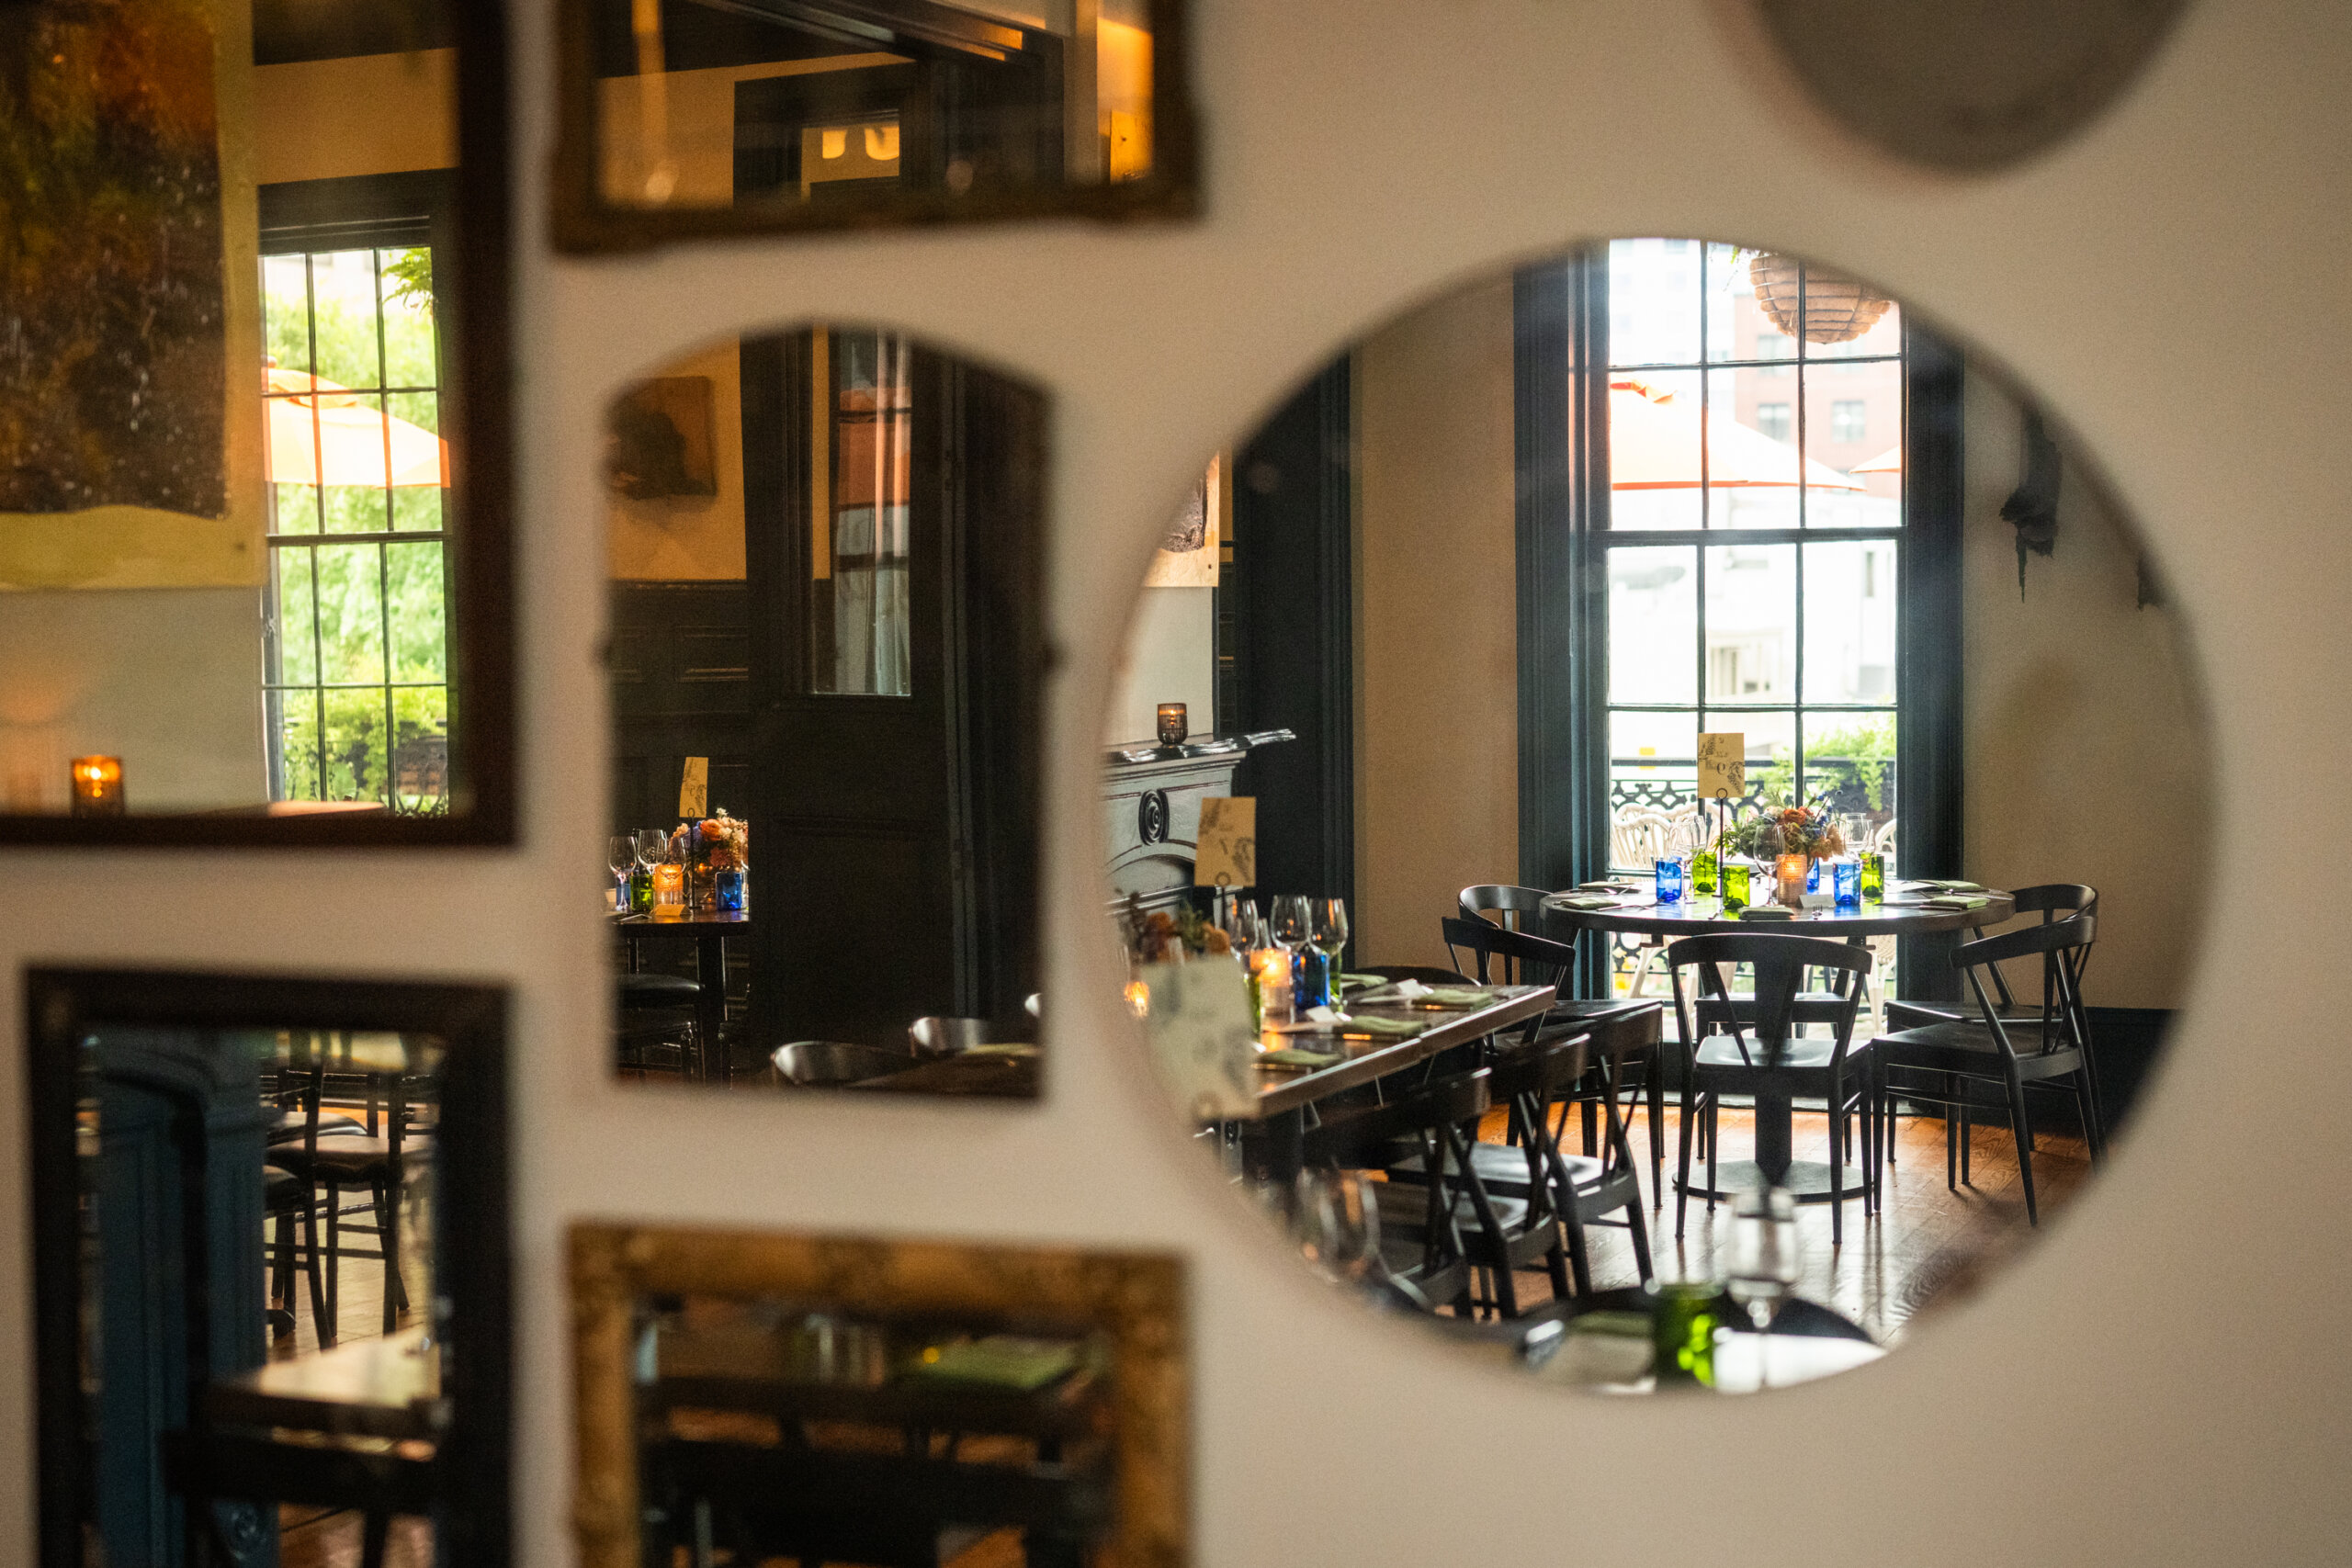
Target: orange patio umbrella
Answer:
[[1653, 444], [1887, 462], [320, 425]]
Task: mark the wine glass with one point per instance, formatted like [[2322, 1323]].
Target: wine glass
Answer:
[[652, 847], [1294, 927], [1335, 1220], [1766, 1253], [620, 854], [1244, 928], [1330, 933]]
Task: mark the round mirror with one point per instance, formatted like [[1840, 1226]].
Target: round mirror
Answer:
[[1655, 812]]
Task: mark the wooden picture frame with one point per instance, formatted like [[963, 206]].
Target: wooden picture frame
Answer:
[[1135, 1300], [477, 412], [584, 220], [475, 1243]]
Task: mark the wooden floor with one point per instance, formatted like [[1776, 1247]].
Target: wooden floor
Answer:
[[1926, 1250]]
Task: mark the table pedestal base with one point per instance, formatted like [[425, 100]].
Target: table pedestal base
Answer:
[[1806, 1181]]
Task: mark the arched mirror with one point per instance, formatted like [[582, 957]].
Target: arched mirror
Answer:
[[1647, 805], [825, 549]]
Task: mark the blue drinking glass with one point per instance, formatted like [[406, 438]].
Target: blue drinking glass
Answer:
[[728, 886], [1847, 875], [1669, 882], [1813, 875], [1310, 980]]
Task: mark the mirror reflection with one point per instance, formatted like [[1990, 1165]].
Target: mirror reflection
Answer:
[[236, 445], [817, 113], [824, 551], [250, 1298], [1654, 745]]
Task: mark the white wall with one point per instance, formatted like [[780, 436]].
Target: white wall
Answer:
[[2173, 282], [1170, 656]]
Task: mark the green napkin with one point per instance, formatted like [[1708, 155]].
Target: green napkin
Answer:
[[1352, 982], [1007, 1048], [1001, 1360], [1456, 996], [1292, 1057], [1954, 901], [1584, 900], [1766, 912], [1398, 1027], [1632, 1324]]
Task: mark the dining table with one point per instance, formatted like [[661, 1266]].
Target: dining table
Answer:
[[1287, 1090], [709, 930], [1904, 912]]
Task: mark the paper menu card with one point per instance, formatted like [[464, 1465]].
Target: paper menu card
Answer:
[[1227, 855], [694, 789], [1723, 765]]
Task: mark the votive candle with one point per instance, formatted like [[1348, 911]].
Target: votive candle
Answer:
[[98, 787]]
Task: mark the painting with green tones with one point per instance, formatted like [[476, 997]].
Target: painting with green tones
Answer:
[[112, 345]]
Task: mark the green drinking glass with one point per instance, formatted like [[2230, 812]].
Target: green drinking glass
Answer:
[[1873, 877], [1734, 887], [1682, 1332], [1703, 864]]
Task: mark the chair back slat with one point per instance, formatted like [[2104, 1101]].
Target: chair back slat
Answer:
[[2063, 945], [1779, 964], [1513, 908], [1509, 957]]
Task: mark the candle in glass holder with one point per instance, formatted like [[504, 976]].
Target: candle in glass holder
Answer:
[[98, 787], [669, 891], [1270, 968], [1172, 727], [1790, 871]]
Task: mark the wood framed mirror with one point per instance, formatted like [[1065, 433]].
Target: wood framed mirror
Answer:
[[270, 1268], [254, 502], [694, 119]]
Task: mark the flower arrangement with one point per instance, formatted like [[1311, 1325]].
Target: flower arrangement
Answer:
[[1152, 938], [1786, 830]]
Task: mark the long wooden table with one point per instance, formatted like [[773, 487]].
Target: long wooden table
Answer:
[[1285, 1093], [371, 1388]]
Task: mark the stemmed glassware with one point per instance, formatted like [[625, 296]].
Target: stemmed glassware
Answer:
[[1766, 1253], [620, 854], [1294, 927], [1330, 938], [652, 849], [1335, 1220]]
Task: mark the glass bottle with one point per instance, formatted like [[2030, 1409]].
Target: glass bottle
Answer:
[[1873, 877]]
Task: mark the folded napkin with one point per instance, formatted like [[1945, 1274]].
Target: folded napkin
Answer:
[[1954, 901], [1292, 1057], [1001, 1360], [1766, 912], [1396, 1027], [1005, 1049], [1941, 885], [1456, 996], [1352, 982], [1611, 886], [1584, 900]]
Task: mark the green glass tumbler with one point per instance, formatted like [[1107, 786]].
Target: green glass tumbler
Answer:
[[1873, 877], [1734, 887], [1703, 866], [1682, 1332]]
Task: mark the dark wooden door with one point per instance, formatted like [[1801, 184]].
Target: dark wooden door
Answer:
[[893, 508], [681, 670]]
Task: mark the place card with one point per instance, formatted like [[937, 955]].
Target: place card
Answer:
[[1723, 765], [1226, 852], [694, 789]]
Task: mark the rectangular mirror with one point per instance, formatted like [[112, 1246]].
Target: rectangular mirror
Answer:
[[253, 428], [270, 1254], [827, 643], [746, 1398], [686, 118]]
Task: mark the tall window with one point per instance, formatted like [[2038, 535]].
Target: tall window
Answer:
[[1753, 541], [356, 672], [860, 621]]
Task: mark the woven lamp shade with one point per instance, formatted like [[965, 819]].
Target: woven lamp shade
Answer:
[[1837, 309]]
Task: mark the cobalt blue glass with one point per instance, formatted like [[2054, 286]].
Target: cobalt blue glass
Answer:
[[1812, 874], [726, 887], [1669, 882], [1310, 980], [1848, 874]]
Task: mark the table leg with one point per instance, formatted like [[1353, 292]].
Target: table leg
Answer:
[[711, 1006], [1775, 1118]]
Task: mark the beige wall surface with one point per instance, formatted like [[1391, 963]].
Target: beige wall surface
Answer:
[[1436, 621], [365, 114], [2173, 281], [1170, 656], [679, 538], [2087, 757]]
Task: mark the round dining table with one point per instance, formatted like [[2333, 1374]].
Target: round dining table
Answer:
[[1903, 914]]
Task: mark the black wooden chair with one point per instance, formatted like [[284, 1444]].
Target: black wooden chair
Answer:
[[1585, 1189], [1961, 1065], [1625, 1034], [1440, 1235], [378, 1164], [1718, 1064], [287, 1198], [657, 1013]]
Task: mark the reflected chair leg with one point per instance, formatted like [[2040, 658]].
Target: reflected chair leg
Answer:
[[1683, 1161], [335, 1266], [1715, 1141], [2021, 1129], [375, 1528], [387, 1242]]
